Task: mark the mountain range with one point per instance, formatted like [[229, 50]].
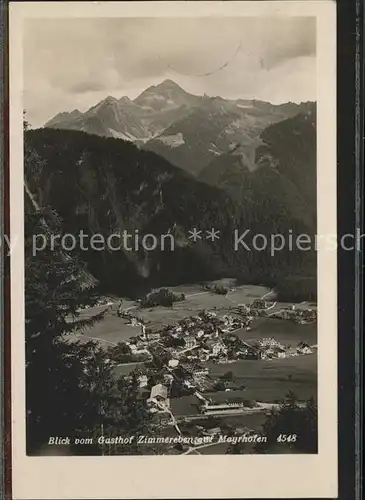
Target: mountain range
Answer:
[[169, 161], [189, 131], [137, 121]]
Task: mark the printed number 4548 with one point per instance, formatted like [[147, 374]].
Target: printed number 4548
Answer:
[[286, 438]]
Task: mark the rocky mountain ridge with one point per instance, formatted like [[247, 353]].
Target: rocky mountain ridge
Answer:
[[187, 130]]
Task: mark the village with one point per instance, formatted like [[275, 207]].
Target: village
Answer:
[[209, 360], [173, 359], [209, 336]]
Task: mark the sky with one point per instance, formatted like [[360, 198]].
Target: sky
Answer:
[[74, 63]]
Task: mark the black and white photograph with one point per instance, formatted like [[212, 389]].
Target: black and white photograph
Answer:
[[169, 308], [170, 212]]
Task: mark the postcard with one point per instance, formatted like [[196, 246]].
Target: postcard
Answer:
[[173, 249]]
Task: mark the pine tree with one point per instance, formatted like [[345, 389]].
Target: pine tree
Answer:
[[70, 387], [292, 427]]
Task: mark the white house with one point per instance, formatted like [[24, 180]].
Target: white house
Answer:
[[159, 398], [173, 363], [190, 342], [198, 372], [304, 350], [143, 380], [219, 348], [153, 335]]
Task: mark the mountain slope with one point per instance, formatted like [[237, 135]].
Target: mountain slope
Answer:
[[149, 114], [64, 118], [215, 127], [166, 95], [107, 186], [281, 163], [109, 118], [292, 145], [187, 130]]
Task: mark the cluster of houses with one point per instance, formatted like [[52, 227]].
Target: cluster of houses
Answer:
[[270, 348], [302, 316], [261, 307], [191, 375], [209, 337], [159, 402], [200, 337], [204, 337], [196, 378]]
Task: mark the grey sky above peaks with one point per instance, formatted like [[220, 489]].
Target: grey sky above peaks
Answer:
[[74, 63]]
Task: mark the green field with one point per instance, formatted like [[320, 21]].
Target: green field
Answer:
[[159, 316], [270, 380], [246, 294], [109, 331], [285, 331], [113, 329], [126, 369], [252, 421], [196, 300], [186, 405], [264, 381]]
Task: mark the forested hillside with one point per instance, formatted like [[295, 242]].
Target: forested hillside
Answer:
[[278, 169], [106, 185]]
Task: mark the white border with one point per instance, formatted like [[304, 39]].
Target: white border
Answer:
[[227, 476]]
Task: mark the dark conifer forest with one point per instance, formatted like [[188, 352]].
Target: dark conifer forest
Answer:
[[105, 185]]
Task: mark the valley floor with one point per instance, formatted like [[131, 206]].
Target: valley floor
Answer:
[[264, 382]]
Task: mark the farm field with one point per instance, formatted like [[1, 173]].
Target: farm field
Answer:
[[300, 365], [251, 421], [198, 299], [159, 316], [126, 369], [268, 391], [109, 331], [261, 390], [268, 381], [112, 329], [285, 331], [214, 449], [265, 381], [246, 294], [186, 405]]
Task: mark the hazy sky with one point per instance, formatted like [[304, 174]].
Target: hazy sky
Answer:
[[74, 63]]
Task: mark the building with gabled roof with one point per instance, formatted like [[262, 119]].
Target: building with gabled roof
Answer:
[[159, 391], [158, 399]]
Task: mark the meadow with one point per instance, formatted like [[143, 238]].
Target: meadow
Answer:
[[112, 329], [264, 381], [284, 331], [109, 331], [270, 380]]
